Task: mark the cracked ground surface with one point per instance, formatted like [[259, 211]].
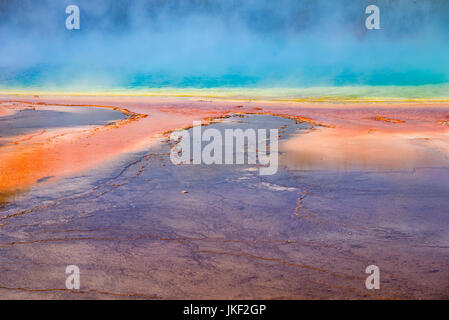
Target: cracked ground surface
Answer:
[[298, 234]]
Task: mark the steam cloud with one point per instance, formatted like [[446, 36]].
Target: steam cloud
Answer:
[[213, 43]]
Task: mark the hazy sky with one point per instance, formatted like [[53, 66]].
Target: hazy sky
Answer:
[[137, 43]]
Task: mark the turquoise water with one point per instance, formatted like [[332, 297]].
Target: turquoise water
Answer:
[[401, 86]]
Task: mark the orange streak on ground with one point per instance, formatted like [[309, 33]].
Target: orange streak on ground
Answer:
[[354, 135], [378, 118], [61, 152], [5, 111]]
